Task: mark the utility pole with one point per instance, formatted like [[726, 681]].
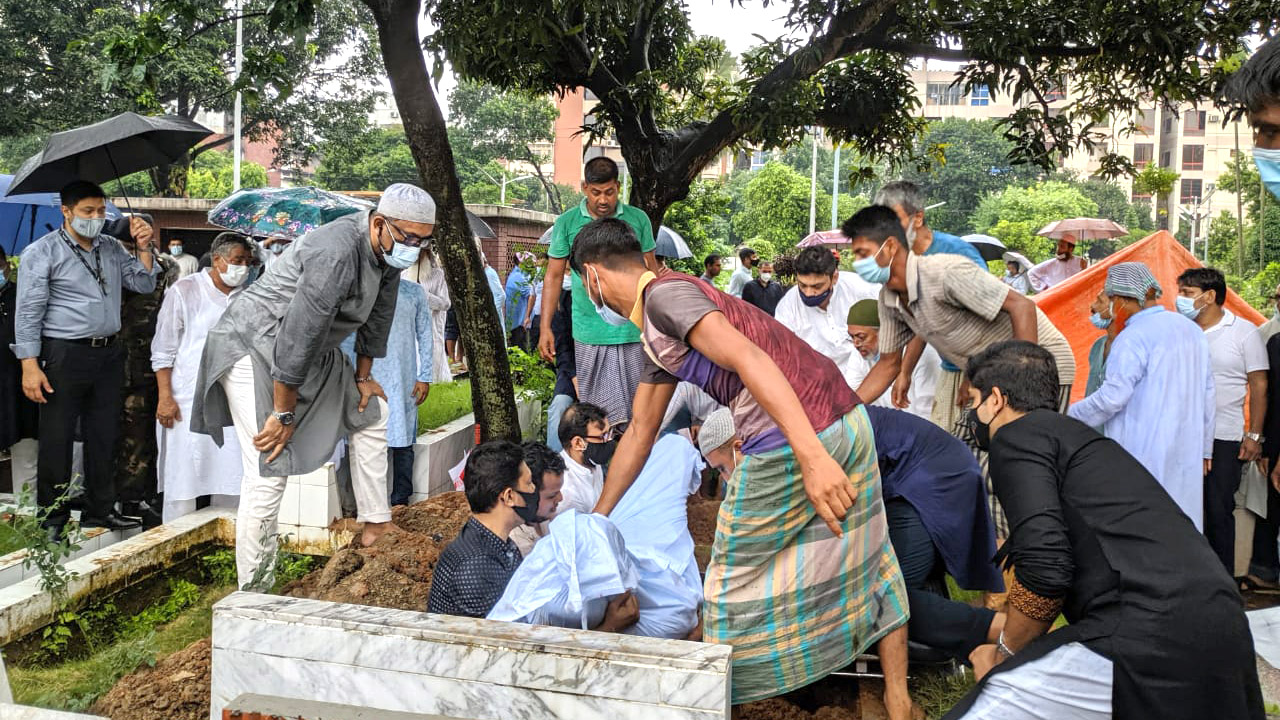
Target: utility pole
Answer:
[[835, 190], [235, 141], [813, 185]]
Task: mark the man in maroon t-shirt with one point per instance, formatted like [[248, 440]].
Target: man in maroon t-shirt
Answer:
[[802, 576]]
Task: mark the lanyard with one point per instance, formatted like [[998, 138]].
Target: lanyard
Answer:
[[97, 261]]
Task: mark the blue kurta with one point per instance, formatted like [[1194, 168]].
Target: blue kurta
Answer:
[[1157, 401], [408, 361], [518, 290]]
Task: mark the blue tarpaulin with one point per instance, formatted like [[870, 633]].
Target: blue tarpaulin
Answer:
[[25, 218]]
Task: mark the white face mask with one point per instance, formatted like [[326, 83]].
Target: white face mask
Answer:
[[766, 277], [234, 275]]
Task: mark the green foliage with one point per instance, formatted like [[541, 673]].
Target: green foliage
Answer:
[[703, 220], [45, 555], [446, 403], [491, 125], [531, 373], [371, 160], [16, 149], [775, 209], [211, 175], [1017, 213], [182, 595], [1157, 182], [290, 567], [220, 566], [1258, 289]]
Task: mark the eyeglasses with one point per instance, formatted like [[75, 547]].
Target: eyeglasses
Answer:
[[607, 436], [410, 239]]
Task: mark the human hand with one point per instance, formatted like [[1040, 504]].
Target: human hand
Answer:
[[368, 389], [984, 658], [547, 345], [623, 612], [901, 387], [1208, 465], [420, 392], [1250, 450], [167, 412], [829, 490], [273, 437], [1275, 477], [962, 395], [34, 381], [141, 232]]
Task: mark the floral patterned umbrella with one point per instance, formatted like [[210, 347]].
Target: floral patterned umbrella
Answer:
[[282, 212]]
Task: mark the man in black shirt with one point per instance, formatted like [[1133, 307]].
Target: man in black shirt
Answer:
[[764, 292]]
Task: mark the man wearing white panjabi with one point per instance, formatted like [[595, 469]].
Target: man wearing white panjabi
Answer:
[[430, 275], [191, 465]]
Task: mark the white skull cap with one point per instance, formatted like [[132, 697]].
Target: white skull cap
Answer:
[[403, 201]]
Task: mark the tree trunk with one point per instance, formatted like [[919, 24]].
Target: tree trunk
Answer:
[[491, 391], [171, 180]]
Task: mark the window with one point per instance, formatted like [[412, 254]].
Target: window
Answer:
[[759, 158], [1168, 125], [1142, 154], [1166, 158], [981, 95], [1193, 122], [944, 94], [1056, 91], [1191, 191], [1137, 197], [1146, 121], [1192, 157]]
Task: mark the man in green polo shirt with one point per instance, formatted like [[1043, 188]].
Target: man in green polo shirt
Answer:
[[609, 357]]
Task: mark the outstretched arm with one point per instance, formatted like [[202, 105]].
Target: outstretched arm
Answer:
[[647, 409]]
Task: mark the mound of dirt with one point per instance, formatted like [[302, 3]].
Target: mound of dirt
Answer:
[[177, 688], [703, 513]]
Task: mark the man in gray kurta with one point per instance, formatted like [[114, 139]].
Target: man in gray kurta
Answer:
[[272, 367]]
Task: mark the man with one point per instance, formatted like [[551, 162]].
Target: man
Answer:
[[864, 330], [495, 289], [816, 308], [566, 388], [1057, 268], [1015, 272], [1100, 317], [1155, 627], [764, 292], [405, 374], [273, 369], [589, 444], [187, 264], [801, 426], [189, 465], [475, 568], [747, 259], [711, 269], [524, 290], [608, 356], [428, 273], [546, 467], [1239, 363], [1256, 87], [68, 316], [1157, 400], [946, 301]]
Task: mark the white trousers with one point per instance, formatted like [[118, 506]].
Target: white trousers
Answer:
[[1070, 683], [174, 509], [256, 520]]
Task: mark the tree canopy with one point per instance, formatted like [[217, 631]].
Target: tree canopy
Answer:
[[775, 210], [1017, 213]]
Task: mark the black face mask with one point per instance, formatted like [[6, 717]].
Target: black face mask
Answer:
[[816, 300], [529, 511], [600, 453], [981, 431]]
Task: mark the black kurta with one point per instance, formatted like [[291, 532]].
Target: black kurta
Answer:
[[1141, 587]]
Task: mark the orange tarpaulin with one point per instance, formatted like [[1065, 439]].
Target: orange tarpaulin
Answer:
[[1067, 304]]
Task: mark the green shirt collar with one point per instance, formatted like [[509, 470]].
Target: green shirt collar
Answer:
[[582, 207]]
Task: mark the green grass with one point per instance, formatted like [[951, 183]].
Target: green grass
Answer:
[[938, 692], [10, 539], [446, 403]]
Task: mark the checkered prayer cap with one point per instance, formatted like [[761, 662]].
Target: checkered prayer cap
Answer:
[[1132, 280], [717, 430]]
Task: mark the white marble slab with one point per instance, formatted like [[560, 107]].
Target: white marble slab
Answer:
[[26, 712], [417, 662], [436, 451]]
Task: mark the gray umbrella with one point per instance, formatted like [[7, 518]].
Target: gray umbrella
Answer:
[[479, 227], [107, 150]]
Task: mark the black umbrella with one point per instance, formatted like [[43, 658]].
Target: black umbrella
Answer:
[[479, 227], [107, 150]]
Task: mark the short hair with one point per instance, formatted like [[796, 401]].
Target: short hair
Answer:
[[901, 194], [490, 469], [225, 242], [575, 420], [600, 170], [1256, 85], [77, 190], [1205, 279], [541, 460], [745, 253], [710, 260], [608, 241], [816, 261], [766, 261], [876, 223], [1026, 374]]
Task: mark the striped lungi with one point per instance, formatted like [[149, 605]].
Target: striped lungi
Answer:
[[608, 376], [796, 602]]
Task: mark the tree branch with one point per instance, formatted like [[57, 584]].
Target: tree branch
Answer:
[[221, 21], [934, 52]]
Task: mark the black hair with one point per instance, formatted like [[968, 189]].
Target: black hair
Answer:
[[1256, 85], [608, 241], [745, 253], [600, 170], [816, 261], [490, 469], [575, 420], [78, 190], [224, 242], [1206, 279], [876, 223], [542, 459], [1026, 374], [710, 260]]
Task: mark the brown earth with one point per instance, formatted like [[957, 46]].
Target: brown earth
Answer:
[[177, 688]]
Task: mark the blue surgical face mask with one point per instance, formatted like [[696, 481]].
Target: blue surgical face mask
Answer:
[[87, 227], [176, 251], [1268, 162], [1100, 322], [4, 280], [1187, 306], [605, 312], [401, 256], [868, 269]]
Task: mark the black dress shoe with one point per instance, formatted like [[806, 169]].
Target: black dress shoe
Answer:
[[56, 532], [110, 521], [144, 511]]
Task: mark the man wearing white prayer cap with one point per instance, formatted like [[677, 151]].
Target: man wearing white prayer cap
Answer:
[[272, 367]]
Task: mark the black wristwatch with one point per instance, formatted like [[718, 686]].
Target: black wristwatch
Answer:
[[285, 418]]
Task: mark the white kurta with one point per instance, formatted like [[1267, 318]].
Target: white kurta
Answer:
[[582, 486], [431, 277], [924, 381], [1053, 271], [190, 465], [826, 331]]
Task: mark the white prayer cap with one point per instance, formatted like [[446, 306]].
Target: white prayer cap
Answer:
[[717, 430], [411, 203]]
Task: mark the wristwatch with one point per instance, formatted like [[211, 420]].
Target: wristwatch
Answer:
[[285, 418], [364, 379], [1256, 437], [1002, 648]]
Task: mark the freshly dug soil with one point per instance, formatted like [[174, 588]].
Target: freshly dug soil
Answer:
[[177, 688], [703, 513]]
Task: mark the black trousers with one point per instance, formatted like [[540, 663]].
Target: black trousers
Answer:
[[86, 384], [1265, 564], [401, 465], [1220, 487]]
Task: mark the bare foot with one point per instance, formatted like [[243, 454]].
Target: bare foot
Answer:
[[373, 531]]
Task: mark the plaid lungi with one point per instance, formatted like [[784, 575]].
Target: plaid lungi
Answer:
[[794, 601], [608, 376]]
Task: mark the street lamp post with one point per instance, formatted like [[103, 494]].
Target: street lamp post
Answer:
[[502, 184]]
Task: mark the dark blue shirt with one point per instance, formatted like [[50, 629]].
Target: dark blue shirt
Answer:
[[472, 572]]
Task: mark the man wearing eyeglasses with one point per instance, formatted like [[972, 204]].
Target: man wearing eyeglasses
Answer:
[[589, 443], [273, 368]]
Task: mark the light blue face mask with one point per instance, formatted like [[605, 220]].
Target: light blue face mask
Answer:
[[605, 312], [869, 270], [87, 227], [401, 256], [1100, 322], [1268, 162], [1187, 306]]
